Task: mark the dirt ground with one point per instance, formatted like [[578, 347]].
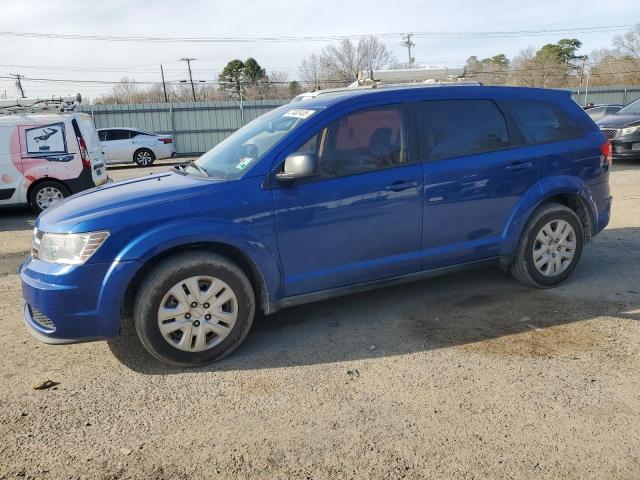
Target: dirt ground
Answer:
[[467, 376]]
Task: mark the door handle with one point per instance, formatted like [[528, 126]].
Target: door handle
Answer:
[[519, 165], [60, 158], [399, 186]]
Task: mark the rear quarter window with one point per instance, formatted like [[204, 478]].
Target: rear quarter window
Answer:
[[542, 122]]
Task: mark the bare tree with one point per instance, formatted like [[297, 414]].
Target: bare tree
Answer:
[[342, 61], [339, 63], [312, 71], [629, 42], [611, 67], [373, 54]]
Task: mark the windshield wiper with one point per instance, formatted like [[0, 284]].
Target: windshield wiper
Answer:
[[197, 167]]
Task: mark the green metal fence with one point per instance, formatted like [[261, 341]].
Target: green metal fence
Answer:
[[196, 127], [623, 94]]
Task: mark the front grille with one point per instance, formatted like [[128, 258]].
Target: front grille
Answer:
[[611, 133], [41, 319]]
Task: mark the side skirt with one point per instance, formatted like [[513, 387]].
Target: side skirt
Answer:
[[273, 307]]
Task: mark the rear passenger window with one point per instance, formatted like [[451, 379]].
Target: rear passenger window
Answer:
[[118, 135], [542, 122], [453, 128]]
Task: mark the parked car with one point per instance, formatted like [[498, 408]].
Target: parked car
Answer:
[[596, 112], [623, 129], [338, 192], [45, 157], [123, 145]]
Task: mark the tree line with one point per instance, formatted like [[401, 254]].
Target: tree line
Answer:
[[554, 65]]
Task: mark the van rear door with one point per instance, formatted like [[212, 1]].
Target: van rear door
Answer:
[[94, 149]]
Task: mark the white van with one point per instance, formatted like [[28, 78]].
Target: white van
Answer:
[[45, 157]]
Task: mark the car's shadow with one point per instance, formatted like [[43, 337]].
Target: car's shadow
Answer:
[[476, 309], [17, 218]]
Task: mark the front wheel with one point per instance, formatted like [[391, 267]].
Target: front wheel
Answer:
[[550, 247], [193, 309]]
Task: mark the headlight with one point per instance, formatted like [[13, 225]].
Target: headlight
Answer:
[[629, 130], [66, 248]]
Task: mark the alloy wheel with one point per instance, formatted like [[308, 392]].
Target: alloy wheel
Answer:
[[144, 158]]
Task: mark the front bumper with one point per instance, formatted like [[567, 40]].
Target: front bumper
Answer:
[[626, 148], [68, 304]]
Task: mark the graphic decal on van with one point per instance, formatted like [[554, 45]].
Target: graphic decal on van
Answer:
[[49, 139]]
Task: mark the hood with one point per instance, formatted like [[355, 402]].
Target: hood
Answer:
[[618, 120], [125, 195]]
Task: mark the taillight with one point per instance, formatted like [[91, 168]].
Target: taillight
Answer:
[[607, 151], [84, 153], [166, 140]]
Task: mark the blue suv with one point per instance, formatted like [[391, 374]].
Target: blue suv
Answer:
[[336, 192]]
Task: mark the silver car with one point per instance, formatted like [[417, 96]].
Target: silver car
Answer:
[[124, 145]]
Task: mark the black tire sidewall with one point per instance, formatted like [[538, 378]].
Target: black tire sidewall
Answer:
[[574, 221], [34, 192], [152, 293], [135, 157]]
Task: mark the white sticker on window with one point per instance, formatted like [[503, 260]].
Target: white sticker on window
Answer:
[[299, 113]]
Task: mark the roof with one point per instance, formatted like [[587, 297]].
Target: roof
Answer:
[[326, 98], [133, 129], [18, 118]]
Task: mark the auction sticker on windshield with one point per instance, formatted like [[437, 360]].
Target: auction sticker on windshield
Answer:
[[299, 113]]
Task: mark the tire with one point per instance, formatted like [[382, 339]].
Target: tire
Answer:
[[143, 157], [558, 266], [183, 347], [45, 193]]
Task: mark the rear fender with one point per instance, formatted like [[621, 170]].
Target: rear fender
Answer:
[[534, 197]]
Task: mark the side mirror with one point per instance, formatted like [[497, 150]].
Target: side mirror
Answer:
[[298, 165]]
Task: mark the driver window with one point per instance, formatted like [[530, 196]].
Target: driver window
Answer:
[[365, 140]]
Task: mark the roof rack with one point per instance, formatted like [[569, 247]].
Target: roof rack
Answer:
[[39, 105], [373, 85]]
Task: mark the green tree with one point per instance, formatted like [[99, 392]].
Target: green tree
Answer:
[[237, 75], [253, 72], [562, 52], [231, 77], [294, 88]]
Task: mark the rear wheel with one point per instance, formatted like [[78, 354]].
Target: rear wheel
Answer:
[[550, 247], [144, 157], [193, 309], [46, 193]]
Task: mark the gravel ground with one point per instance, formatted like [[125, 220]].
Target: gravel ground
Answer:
[[466, 376]]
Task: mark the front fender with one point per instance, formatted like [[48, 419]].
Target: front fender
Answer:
[[535, 196], [177, 233]]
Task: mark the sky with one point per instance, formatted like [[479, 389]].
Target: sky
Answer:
[[109, 61]]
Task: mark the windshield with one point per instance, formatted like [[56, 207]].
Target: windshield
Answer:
[[235, 155], [633, 107]]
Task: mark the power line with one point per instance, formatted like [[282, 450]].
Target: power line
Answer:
[[317, 38]]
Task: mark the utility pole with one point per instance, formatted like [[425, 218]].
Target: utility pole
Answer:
[[164, 86], [189, 60], [18, 83], [408, 43]]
